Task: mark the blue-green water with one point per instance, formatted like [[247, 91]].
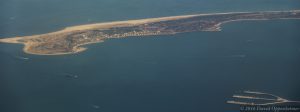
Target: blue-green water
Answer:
[[190, 72]]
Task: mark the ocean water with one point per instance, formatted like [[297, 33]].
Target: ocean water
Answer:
[[190, 72]]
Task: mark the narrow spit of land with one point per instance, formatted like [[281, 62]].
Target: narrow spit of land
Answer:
[[71, 39]]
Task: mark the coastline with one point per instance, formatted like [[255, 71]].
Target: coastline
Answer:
[[25, 40], [118, 24]]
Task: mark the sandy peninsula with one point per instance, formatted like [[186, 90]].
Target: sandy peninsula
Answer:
[[71, 39]]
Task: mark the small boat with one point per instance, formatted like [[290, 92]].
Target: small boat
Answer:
[[239, 56], [68, 75], [12, 18], [22, 58], [96, 106]]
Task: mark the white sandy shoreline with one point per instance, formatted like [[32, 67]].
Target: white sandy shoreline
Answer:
[[122, 23], [106, 25]]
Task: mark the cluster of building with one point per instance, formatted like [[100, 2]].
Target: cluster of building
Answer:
[[133, 33]]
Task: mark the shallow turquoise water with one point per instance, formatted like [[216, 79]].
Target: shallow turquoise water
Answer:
[[193, 72]]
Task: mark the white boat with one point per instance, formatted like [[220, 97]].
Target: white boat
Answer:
[[23, 58]]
